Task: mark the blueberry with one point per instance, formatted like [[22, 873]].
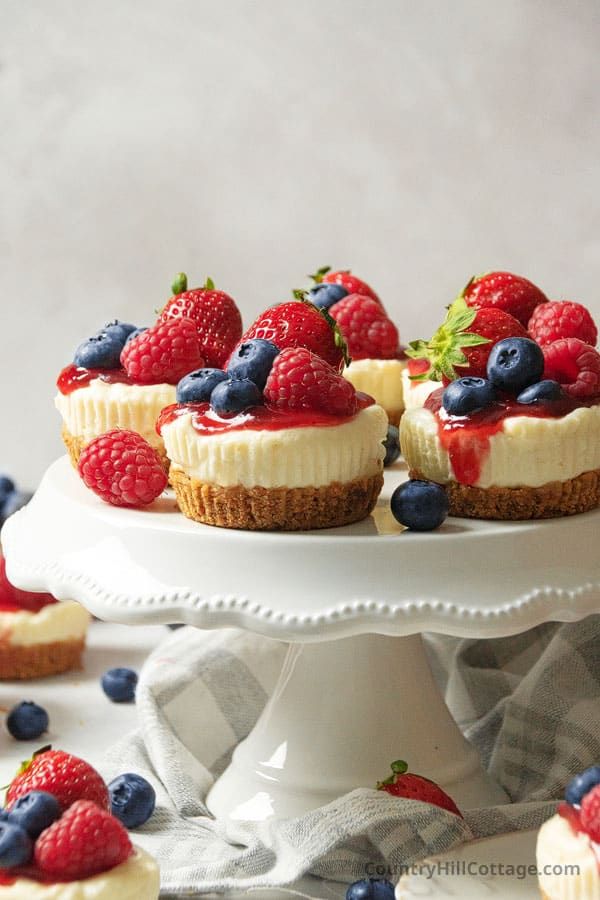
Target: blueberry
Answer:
[[542, 390], [199, 385], [467, 394], [34, 812], [392, 445], [13, 503], [119, 684], [515, 363], [234, 395], [7, 486], [579, 786], [123, 330], [27, 721], [102, 351], [325, 295], [253, 360], [16, 847], [132, 799], [371, 889], [420, 505], [136, 331]]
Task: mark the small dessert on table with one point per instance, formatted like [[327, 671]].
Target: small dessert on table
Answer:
[[568, 844], [514, 433], [376, 360], [38, 635], [279, 440], [123, 376]]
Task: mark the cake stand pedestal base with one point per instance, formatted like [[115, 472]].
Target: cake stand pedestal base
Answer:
[[341, 712]]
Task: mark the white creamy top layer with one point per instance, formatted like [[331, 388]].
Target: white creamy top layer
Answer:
[[137, 878], [380, 379], [559, 846], [63, 621], [289, 457], [527, 452], [100, 406], [415, 393]]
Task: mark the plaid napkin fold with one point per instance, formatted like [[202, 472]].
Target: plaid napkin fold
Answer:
[[530, 703]]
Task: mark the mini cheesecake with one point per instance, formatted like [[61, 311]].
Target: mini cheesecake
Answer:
[[138, 878], [273, 469], [568, 860], [94, 401], [508, 460], [382, 380], [415, 393]]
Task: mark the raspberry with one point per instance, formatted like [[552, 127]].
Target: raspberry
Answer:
[[513, 294], [163, 354], [66, 777], [575, 365], [301, 380], [365, 327], [562, 319], [590, 813], [83, 842], [215, 314], [123, 469]]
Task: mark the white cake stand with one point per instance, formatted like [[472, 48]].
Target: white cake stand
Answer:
[[356, 690]]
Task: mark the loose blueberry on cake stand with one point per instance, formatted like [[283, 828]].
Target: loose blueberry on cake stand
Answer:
[[356, 690]]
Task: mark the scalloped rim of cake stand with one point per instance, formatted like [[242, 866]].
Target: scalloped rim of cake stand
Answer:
[[156, 566]]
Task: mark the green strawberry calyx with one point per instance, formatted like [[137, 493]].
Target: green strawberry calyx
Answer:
[[398, 767], [180, 284], [318, 275], [445, 349]]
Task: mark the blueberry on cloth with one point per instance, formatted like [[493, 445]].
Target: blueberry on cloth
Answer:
[[515, 363], [132, 799], [27, 721], [253, 360], [325, 295], [465, 395], [420, 505], [392, 445], [234, 395], [34, 812], [16, 847], [371, 889], [541, 390], [196, 387], [119, 684]]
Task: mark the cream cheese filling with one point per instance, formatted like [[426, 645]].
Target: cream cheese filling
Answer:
[[559, 846], [57, 622]]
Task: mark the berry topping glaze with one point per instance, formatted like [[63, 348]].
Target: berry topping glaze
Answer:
[[74, 377], [14, 600], [466, 439], [257, 418]]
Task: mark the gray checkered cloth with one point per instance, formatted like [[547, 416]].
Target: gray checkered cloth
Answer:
[[529, 703]]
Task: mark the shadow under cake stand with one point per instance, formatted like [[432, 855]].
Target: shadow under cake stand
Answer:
[[356, 690]]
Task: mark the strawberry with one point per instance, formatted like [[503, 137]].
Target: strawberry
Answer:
[[590, 813], [365, 327], [163, 354], [502, 290], [122, 468], [300, 324], [300, 379], [85, 840], [67, 777], [218, 320], [402, 783], [344, 277], [575, 365], [11, 596], [462, 345], [562, 319]]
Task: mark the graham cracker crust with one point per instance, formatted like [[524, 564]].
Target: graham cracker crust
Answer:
[[75, 445], [276, 509], [557, 498], [40, 660]]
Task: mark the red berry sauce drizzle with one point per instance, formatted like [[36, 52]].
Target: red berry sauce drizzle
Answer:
[[466, 439], [257, 418], [73, 377]]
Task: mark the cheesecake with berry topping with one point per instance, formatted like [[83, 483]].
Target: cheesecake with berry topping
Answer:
[[568, 844], [518, 437], [122, 377], [38, 635], [279, 441]]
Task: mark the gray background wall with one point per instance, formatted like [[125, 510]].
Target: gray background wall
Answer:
[[417, 142]]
